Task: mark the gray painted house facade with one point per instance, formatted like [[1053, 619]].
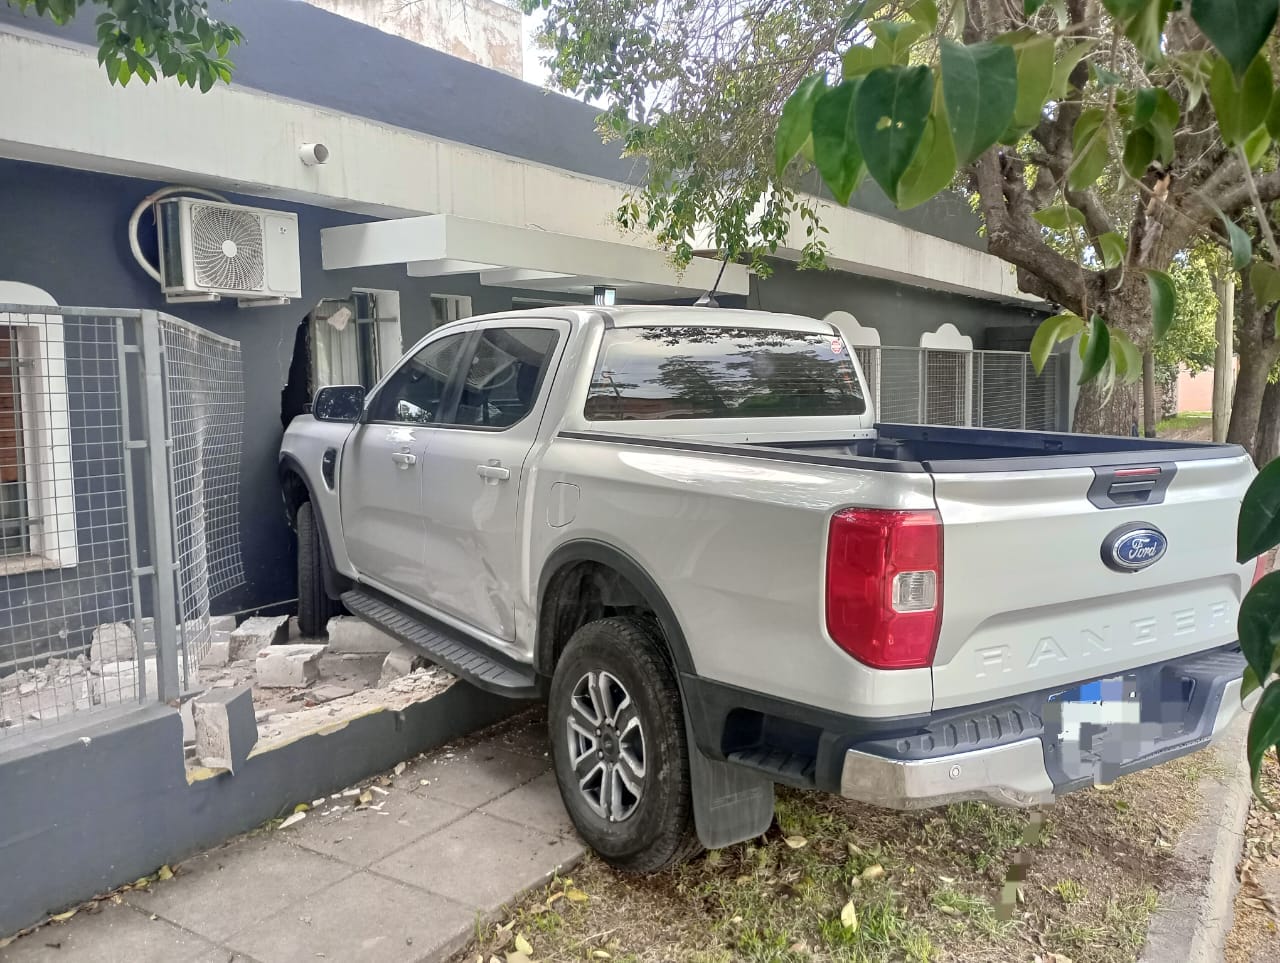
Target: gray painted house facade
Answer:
[[64, 211]]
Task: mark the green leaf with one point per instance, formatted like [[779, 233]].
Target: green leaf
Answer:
[[1072, 54], [1258, 529], [1123, 9], [1126, 359], [890, 111], [1241, 244], [1113, 249], [1264, 731], [1258, 624], [1060, 327], [1242, 108], [1097, 351], [1265, 281], [835, 147], [860, 61], [1035, 77], [1255, 148], [1238, 28], [1060, 217], [1273, 117], [1029, 7], [1089, 144], [1164, 302], [797, 119], [1139, 152], [934, 165], [1146, 29], [1249, 683], [897, 37], [980, 87], [925, 13]]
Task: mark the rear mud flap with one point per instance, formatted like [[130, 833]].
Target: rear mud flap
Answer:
[[730, 803]]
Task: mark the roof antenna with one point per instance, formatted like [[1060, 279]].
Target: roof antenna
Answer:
[[708, 300]]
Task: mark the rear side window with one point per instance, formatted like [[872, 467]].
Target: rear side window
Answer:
[[704, 372]]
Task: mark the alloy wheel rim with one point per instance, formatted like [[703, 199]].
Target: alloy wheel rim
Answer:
[[606, 746]]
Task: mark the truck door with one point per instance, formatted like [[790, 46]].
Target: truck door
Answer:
[[473, 473], [381, 484]]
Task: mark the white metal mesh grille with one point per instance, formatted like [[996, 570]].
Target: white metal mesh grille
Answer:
[[105, 473], [205, 400], [226, 248]]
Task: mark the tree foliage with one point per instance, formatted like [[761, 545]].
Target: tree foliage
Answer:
[[152, 38], [1104, 140]]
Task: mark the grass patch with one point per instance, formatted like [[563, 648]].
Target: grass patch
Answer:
[[1183, 421], [925, 886]]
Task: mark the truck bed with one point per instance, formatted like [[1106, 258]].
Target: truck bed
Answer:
[[949, 450]]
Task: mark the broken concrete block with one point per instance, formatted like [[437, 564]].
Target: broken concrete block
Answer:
[[254, 634], [113, 642], [111, 683], [222, 623], [327, 693], [225, 728], [219, 652], [348, 634], [401, 662], [288, 666]]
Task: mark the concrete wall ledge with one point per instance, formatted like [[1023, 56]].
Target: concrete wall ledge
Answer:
[[85, 811]]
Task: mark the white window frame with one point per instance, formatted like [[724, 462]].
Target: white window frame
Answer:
[[46, 433], [456, 307], [331, 370]]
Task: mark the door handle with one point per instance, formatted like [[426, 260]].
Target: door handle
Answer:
[[403, 459], [493, 472]]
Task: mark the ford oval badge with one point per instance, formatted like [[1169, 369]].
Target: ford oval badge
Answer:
[[1134, 547]]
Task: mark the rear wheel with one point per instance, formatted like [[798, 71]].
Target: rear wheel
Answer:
[[315, 608], [618, 739]]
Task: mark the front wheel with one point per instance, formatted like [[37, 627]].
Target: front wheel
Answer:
[[618, 740], [315, 608]]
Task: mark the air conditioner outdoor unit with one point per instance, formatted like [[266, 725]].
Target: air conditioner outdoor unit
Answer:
[[210, 250]]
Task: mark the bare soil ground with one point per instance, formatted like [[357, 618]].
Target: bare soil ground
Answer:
[[836, 880], [1255, 935]]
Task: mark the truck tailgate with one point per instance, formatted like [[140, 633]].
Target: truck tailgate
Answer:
[[1030, 603]]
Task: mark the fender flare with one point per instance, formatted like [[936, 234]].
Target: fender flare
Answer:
[[334, 583], [590, 550]]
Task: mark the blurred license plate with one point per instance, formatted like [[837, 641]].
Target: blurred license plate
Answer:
[[1102, 703]]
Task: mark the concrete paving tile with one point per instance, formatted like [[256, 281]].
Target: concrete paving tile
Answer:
[[361, 836], [118, 934], [536, 804], [473, 776], [481, 861], [526, 733], [363, 917], [222, 892]]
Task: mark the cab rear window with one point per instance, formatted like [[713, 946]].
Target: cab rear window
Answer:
[[655, 373]]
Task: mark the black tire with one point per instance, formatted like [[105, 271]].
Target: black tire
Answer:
[[658, 832], [315, 608]]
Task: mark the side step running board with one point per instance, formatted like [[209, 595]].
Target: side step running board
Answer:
[[465, 658]]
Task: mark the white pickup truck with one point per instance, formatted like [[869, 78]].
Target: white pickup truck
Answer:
[[685, 530]]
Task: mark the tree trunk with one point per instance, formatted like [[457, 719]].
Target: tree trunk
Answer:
[[1098, 416], [1268, 436], [1148, 394], [1246, 403]]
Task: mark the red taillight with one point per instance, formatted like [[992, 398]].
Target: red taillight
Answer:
[[1259, 569], [884, 586]]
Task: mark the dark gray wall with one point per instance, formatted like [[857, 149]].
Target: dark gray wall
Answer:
[[901, 312], [65, 231], [298, 51]]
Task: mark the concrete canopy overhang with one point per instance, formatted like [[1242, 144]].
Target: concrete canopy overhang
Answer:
[[525, 257]]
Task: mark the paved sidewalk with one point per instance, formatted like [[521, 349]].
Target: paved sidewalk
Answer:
[[455, 836]]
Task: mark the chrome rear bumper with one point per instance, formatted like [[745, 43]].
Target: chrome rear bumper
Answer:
[[1012, 774]]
